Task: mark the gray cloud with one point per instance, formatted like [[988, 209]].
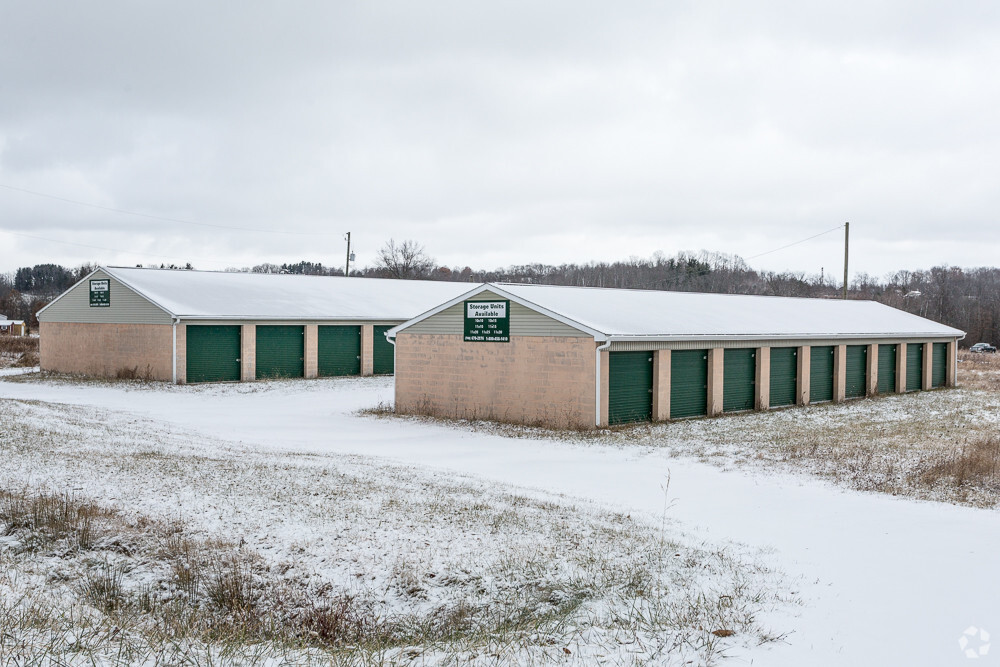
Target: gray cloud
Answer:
[[501, 134]]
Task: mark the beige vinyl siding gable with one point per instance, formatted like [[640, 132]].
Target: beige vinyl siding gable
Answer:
[[127, 306], [523, 321]]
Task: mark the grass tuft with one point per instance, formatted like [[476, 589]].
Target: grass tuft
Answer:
[[975, 464], [103, 588]]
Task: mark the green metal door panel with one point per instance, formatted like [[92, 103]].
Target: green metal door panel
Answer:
[[939, 365], [784, 375], [886, 369], [213, 353], [688, 383], [914, 366], [630, 387], [383, 353], [739, 369], [338, 351], [857, 371], [280, 351], [820, 373]]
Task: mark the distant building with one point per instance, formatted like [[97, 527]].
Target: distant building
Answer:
[[208, 326], [12, 327]]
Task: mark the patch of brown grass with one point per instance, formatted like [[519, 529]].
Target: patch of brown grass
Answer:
[[46, 518], [134, 373], [18, 345], [27, 360], [979, 370], [975, 465], [20, 351]]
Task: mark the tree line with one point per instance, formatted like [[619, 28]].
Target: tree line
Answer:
[[964, 298]]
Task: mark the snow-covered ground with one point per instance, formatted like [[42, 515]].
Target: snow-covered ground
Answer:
[[883, 580]]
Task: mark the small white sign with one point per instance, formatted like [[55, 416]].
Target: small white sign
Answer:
[[485, 309]]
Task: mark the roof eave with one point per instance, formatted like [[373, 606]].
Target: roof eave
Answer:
[[297, 318], [658, 338]]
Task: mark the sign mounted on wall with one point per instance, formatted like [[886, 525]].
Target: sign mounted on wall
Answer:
[[487, 321], [100, 293]]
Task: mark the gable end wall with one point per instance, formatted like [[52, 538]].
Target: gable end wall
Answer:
[[523, 321], [127, 306], [104, 350], [545, 380]]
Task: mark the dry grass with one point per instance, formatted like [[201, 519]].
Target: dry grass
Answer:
[[19, 351], [939, 445], [131, 377], [979, 371], [135, 373], [975, 464], [301, 559]]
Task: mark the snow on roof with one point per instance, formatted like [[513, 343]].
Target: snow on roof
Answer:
[[7, 323], [210, 294], [649, 313]]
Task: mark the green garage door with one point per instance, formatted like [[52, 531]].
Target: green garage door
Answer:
[[784, 372], [688, 383], [820, 373], [914, 366], [280, 351], [886, 369], [857, 371], [939, 365], [383, 353], [739, 367], [630, 387], [213, 353], [338, 351]]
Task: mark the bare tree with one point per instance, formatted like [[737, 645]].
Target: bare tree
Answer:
[[403, 260]]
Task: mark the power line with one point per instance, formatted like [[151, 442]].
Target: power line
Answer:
[[160, 217], [796, 242], [97, 247]]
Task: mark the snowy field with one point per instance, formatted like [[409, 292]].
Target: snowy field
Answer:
[[583, 532]]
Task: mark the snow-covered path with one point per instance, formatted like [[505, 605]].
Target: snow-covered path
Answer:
[[885, 581]]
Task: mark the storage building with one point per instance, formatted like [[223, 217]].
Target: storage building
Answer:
[[204, 326], [10, 327], [580, 357]]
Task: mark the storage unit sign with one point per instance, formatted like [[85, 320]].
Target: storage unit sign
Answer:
[[487, 321], [100, 293]]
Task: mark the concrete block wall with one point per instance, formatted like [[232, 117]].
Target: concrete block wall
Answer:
[[661, 386], [248, 352], [762, 379], [310, 359], [871, 371], [547, 380], [180, 341], [926, 376], [605, 386], [716, 368], [839, 373], [105, 349], [367, 349]]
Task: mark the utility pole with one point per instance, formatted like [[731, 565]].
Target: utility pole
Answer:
[[847, 233], [347, 266]]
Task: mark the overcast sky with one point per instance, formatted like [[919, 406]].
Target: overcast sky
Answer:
[[500, 133]]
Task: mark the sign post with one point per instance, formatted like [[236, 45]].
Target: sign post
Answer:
[[487, 321]]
